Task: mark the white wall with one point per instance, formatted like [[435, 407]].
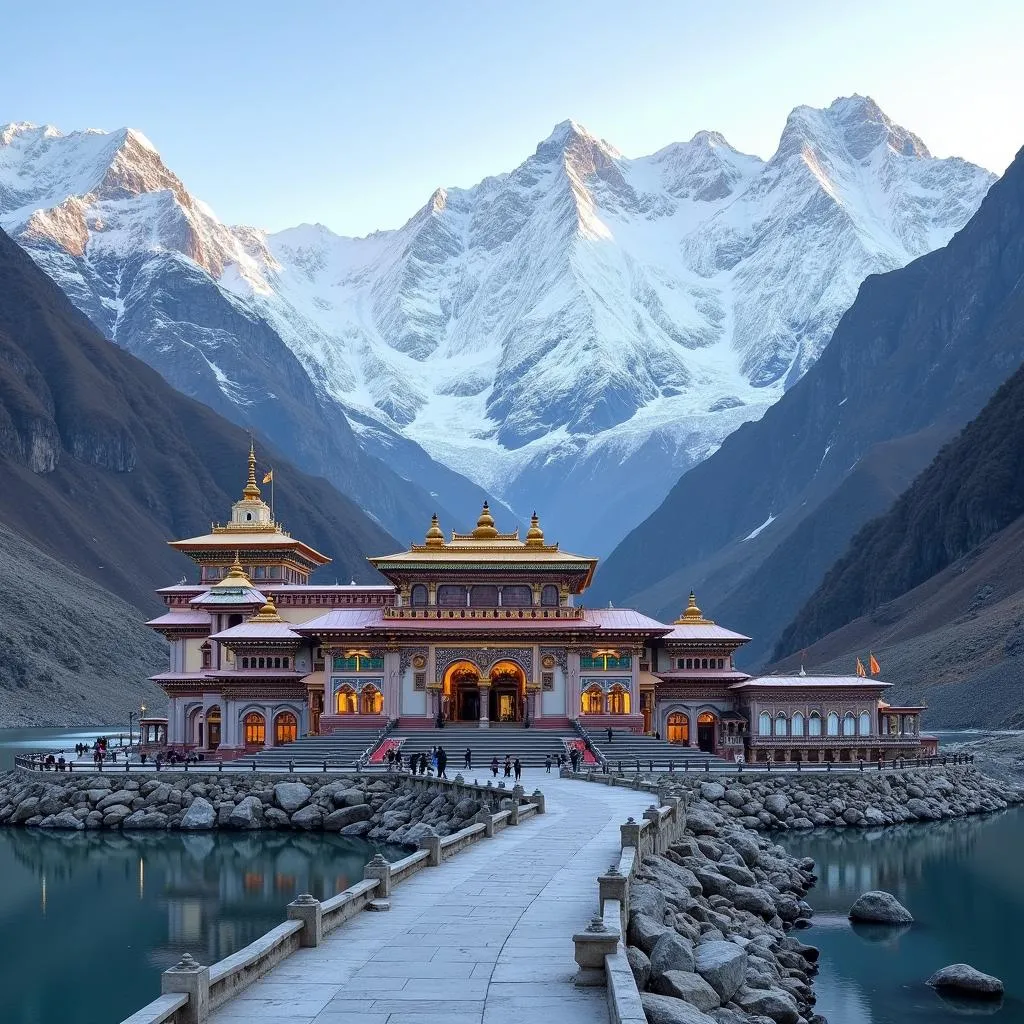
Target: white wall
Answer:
[[414, 702]]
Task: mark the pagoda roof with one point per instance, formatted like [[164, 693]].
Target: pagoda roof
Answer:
[[242, 674], [229, 596], [226, 539], [819, 682], [710, 631], [180, 617], [257, 631]]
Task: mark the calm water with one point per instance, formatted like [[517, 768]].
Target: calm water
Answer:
[[89, 920], [27, 741], [964, 883]]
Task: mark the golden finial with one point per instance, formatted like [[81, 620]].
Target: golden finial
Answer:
[[236, 576], [535, 535], [268, 613], [435, 536], [693, 615], [485, 528], [251, 491]]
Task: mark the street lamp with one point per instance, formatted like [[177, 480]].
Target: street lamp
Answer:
[[142, 715], [131, 715]]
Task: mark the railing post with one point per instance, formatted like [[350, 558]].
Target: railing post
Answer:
[[613, 885], [380, 869], [484, 818], [629, 834], [432, 844], [592, 946], [538, 799], [193, 979], [307, 909]]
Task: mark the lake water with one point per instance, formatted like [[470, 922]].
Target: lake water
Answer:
[[963, 881], [89, 920]]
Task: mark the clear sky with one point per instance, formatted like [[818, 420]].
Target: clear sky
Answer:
[[351, 114]]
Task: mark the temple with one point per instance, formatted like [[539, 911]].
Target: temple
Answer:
[[487, 629]]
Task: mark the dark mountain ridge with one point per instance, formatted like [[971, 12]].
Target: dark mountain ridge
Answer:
[[104, 462], [917, 355]]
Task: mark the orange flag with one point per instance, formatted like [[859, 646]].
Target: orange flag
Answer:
[[873, 665], [860, 668]]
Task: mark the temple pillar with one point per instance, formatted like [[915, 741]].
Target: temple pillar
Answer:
[[691, 739], [572, 685], [485, 702]]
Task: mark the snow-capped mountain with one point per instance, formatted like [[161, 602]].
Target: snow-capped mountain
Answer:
[[575, 333]]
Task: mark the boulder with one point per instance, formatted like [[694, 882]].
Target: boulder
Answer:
[[774, 1003], [645, 898], [644, 931], [417, 832], [777, 804], [755, 900], [345, 796], [348, 816], [668, 1010], [308, 818], [688, 986], [712, 791], [290, 796], [66, 819], [640, 965], [741, 875], [880, 908], [25, 810], [248, 813], [200, 815], [671, 952], [723, 965], [702, 822], [122, 796], [964, 980], [274, 817], [113, 816], [357, 828], [145, 819]]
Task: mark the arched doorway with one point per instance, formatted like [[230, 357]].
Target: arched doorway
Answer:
[[677, 728], [254, 730], [286, 728], [461, 693], [371, 701], [508, 692], [213, 728], [707, 732]]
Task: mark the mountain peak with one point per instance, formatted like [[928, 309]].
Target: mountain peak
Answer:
[[570, 136], [855, 123]]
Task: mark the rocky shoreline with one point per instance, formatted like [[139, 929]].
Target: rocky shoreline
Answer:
[[386, 808], [844, 800]]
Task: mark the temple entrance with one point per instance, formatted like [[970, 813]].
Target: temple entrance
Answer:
[[508, 693], [467, 701], [502, 698], [461, 696], [213, 728], [707, 727]]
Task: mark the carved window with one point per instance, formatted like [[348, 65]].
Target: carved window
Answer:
[[849, 724], [780, 725], [516, 596], [549, 595], [371, 701], [764, 724], [286, 728], [797, 725], [207, 655], [677, 728], [592, 701], [419, 680], [255, 729], [814, 724], [345, 701], [833, 724], [865, 724], [451, 596], [547, 680], [483, 596], [418, 595], [618, 701]]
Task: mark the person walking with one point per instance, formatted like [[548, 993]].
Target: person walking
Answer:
[[508, 766], [467, 761], [547, 765], [609, 734], [442, 763], [517, 767], [494, 766], [423, 763]]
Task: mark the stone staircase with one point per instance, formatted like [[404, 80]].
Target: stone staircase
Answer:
[[340, 749], [625, 748], [531, 746]]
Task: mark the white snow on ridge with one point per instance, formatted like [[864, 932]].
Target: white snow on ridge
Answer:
[[583, 320], [764, 526]]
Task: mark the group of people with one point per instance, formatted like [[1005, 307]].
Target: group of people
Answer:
[[510, 767], [420, 764]]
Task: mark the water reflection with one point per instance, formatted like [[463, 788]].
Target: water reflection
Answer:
[[132, 903], [963, 883]]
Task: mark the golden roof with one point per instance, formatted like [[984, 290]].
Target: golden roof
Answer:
[[435, 535], [693, 616], [534, 535], [251, 491], [236, 576], [268, 613]]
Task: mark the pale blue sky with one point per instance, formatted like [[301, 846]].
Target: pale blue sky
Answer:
[[351, 114]]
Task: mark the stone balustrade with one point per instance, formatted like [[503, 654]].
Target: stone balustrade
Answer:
[[191, 990]]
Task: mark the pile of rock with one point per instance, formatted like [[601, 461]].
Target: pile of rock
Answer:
[[859, 799], [707, 933], [388, 809]]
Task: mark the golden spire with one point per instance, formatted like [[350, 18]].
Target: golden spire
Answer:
[[435, 536], [535, 535], [236, 576], [693, 616], [251, 491], [485, 528], [268, 613]]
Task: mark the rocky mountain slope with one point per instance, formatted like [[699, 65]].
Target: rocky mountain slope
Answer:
[[103, 462], [586, 324], [936, 584], [71, 653], [919, 353]]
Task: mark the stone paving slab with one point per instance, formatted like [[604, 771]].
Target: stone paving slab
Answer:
[[486, 938]]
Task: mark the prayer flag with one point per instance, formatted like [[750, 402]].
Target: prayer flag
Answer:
[[873, 665], [268, 477], [860, 668]]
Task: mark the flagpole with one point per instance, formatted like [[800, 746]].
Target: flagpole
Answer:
[[272, 494]]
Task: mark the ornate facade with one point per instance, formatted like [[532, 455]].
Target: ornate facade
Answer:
[[483, 628]]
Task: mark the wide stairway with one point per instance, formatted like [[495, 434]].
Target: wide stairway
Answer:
[[531, 746], [625, 748], [341, 749]]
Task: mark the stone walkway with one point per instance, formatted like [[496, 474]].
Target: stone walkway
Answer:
[[486, 938]]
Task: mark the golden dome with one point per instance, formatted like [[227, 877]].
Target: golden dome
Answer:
[[236, 576], [534, 535], [435, 536], [268, 613], [485, 528], [251, 491], [693, 616]]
